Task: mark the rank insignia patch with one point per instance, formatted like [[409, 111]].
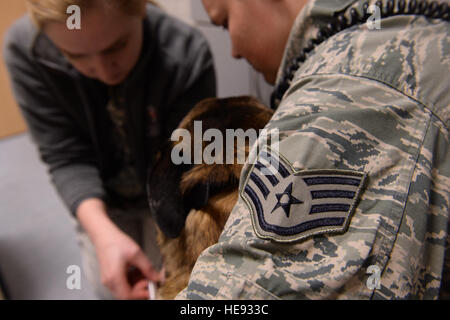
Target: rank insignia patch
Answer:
[[288, 205]]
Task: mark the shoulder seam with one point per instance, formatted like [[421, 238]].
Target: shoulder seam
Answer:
[[370, 79]]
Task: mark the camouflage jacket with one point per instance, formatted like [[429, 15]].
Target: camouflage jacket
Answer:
[[358, 205]]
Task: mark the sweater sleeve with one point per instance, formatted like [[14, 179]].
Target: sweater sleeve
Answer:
[[67, 152]]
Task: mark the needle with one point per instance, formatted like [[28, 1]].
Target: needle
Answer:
[[151, 291]]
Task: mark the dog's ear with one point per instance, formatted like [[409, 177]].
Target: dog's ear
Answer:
[[197, 197], [164, 195], [173, 190]]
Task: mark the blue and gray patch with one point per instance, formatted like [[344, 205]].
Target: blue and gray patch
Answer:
[[289, 205]]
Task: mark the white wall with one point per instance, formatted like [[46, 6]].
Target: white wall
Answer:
[[179, 8], [234, 77]]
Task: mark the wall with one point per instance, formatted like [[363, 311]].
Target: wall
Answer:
[[11, 121]]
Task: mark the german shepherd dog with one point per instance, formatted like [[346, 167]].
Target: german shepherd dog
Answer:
[[191, 202]]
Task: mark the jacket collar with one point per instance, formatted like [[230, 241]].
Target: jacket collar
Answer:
[[315, 14]]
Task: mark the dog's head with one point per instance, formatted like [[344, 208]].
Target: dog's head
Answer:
[[175, 188]]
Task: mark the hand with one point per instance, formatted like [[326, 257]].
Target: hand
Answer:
[[124, 268]]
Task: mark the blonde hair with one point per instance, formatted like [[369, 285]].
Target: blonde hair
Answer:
[[43, 11]]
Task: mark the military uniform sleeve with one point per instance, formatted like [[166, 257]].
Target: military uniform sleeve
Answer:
[[355, 203], [358, 208], [69, 156]]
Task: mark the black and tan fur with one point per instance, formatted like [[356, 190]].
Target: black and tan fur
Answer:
[[191, 203]]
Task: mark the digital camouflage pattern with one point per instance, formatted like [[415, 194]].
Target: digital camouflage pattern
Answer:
[[369, 101]]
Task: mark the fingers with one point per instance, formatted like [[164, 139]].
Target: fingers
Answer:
[[130, 286], [120, 285], [139, 291], [141, 262], [127, 274]]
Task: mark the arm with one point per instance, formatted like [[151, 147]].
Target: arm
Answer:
[[116, 253], [62, 144], [72, 164], [391, 138]]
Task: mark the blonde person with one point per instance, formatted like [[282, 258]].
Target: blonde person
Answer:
[[98, 101]]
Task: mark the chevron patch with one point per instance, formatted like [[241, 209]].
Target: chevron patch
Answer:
[[288, 205]]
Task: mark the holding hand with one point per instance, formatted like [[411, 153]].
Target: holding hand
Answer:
[[124, 268]]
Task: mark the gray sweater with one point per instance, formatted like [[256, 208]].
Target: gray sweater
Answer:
[[66, 112]]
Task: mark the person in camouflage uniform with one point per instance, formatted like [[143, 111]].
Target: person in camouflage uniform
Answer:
[[357, 206]]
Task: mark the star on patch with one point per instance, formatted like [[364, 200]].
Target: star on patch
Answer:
[[315, 201], [285, 200]]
